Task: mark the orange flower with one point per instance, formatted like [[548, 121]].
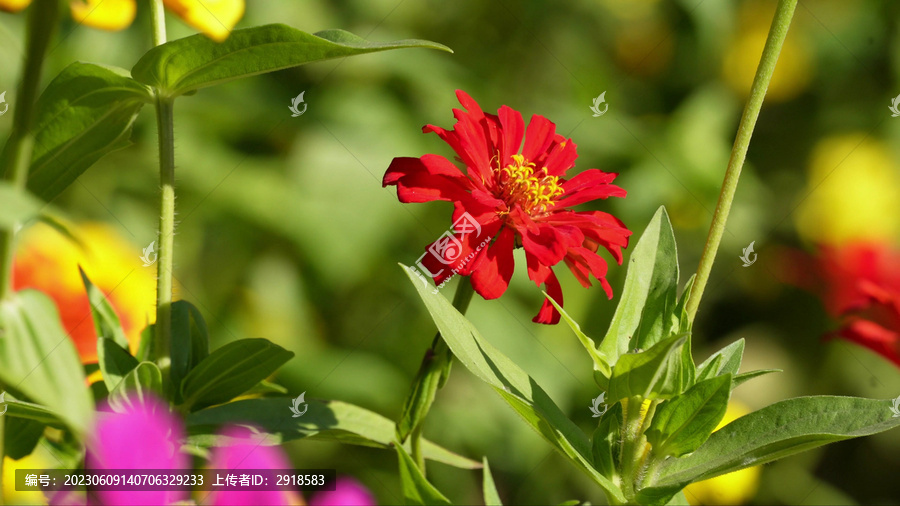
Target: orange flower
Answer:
[[215, 18], [48, 261]]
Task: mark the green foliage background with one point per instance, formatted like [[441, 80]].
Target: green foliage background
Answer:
[[285, 232]]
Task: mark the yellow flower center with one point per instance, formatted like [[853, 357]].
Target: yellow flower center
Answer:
[[520, 182]]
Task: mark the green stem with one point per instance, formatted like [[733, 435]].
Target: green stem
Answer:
[[165, 126], [777, 34], [432, 375], [633, 443], [15, 159]]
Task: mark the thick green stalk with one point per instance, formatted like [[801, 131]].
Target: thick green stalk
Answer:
[[764, 71], [432, 375], [633, 444], [165, 126], [16, 156]]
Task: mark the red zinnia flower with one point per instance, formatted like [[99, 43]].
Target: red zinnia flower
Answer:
[[859, 283], [519, 197]]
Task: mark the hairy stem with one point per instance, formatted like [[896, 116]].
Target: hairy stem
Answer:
[[764, 71], [165, 125]]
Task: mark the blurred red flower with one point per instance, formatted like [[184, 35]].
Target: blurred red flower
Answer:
[[860, 284], [512, 196]]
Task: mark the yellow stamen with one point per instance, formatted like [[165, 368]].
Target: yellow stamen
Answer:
[[532, 189]]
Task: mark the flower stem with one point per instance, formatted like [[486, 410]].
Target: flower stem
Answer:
[[777, 33], [432, 375], [165, 125], [16, 156], [15, 159]]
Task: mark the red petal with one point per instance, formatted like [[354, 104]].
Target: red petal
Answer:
[[589, 185], [561, 157], [431, 177], [511, 136], [548, 314], [584, 262], [540, 134], [875, 337], [492, 277], [550, 243]]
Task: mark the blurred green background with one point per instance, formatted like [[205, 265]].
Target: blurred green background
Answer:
[[286, 233]]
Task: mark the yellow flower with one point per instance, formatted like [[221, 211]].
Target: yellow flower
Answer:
[[732, 488], [40, 459], [47, 261], [853, 192], [215, 18]]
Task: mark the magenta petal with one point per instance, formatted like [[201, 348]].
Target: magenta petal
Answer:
[[145, 437], [249, 451], [347, 492]]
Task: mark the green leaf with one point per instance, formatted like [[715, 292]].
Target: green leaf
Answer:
[[86, 112], [325, 420], [491, 497], [684, 321], [232, 370], [601, 364], [17, 206], [190, 341], [512, 383], [266, 387], [605, 441], [38, 360], [416, 489], [682, 424], [657, 373], [136, 386], [31, 411], [747, 376], [191, 63], [429, 378], [21, 436], [645, 312], [115, 363], [106, 322], [725, 361], [782, 429], [146, 343]]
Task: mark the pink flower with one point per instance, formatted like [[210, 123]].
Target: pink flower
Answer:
[[348, 492]]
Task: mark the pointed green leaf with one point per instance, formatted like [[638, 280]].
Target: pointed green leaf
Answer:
[[747, 376], [86, 112], [38, 360], [142, 382], [190, 340], [644, 314], [605, 441], [115, 363], [518, 389], [657, 373], [325, 420], [601, 364], [491, 497], [416, 489], [782, 429], [32, 411], [191, 63], [106, 321], [682, 424], [725, 361], [232, 370]]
